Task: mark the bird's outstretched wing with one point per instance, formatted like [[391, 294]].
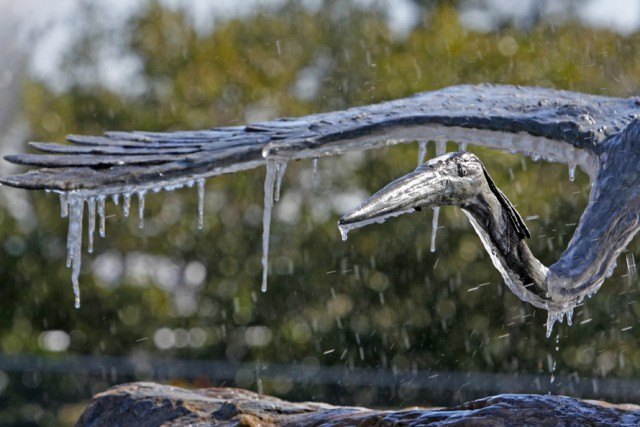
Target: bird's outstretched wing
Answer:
[[535, 121]]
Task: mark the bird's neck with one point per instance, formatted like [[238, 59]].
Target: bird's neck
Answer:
[[501, 233]]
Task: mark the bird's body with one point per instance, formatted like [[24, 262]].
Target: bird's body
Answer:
[[599, 134]]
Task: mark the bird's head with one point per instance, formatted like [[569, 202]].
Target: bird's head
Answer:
[[451, 179]]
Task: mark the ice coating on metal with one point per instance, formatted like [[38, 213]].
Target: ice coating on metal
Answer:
[[596, 133], [346, 228], [526, 120]]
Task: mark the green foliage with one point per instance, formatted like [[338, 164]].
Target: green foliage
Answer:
[[381, 299]]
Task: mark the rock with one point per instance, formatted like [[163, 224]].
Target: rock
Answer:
[[149, 404]]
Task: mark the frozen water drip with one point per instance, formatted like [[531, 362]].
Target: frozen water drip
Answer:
[[269, 181], [74, 242], [200, 182]]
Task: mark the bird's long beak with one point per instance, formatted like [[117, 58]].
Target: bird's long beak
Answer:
[[427, 186]]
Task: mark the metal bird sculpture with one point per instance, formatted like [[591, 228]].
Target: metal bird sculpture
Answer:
[[599, 134]]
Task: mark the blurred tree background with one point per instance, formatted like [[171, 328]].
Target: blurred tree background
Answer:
[[170, 292]]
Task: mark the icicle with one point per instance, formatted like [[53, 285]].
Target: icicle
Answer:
[[434, 227], [344, 232], [572, 172], [64, 205], [422, 151], [91, 211], [441, 148], [74, 243], [269, 180], [126, 204], [611, 269], [552, 318], [462, 146], [173, 187], [101, 212], [281, 167], [200, 182], [631, 266], [315, 171], [569, 318], [141, 195], [115, 198]]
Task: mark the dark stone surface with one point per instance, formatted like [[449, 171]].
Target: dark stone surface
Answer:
[[151, 404]]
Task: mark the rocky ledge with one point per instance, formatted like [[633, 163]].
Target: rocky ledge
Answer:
[[151, 404]]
